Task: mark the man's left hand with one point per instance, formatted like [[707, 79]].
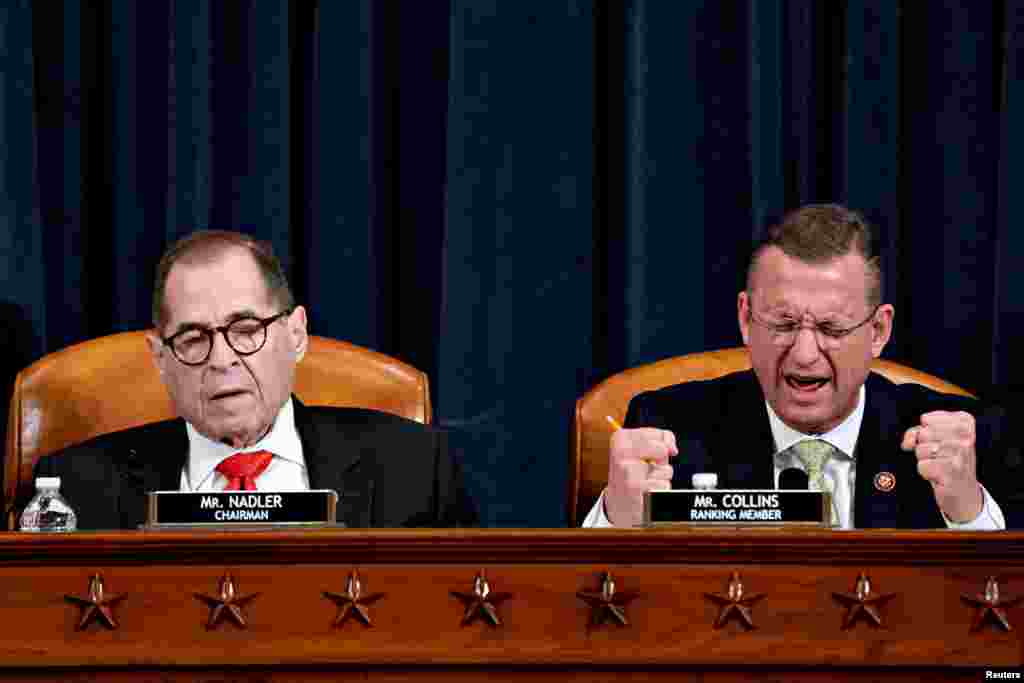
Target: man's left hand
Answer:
[[944, 446]]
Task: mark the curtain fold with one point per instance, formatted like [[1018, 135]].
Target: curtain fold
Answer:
[[1007, 367], [23, 285], [516, 315]]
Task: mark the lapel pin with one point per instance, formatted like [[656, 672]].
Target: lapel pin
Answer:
[[885, 481]]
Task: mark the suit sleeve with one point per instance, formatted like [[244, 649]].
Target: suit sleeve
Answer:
[[640, 414], [999, 457], [998, 434]]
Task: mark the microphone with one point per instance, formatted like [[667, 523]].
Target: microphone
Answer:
[[793, 478]]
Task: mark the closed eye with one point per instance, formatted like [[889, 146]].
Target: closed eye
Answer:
[[785, 327], [834, 331], [190, 336]]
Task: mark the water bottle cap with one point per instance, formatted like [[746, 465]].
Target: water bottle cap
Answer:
[[47, 482], [704, 480]]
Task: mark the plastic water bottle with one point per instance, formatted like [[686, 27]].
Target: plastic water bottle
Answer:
[[48, 511]]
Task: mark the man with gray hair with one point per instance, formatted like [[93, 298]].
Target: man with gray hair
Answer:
[[226, 339]]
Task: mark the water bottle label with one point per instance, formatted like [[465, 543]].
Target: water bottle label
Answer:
[[30, 520], [48, 513]]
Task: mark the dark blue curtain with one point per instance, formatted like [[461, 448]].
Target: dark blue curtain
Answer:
[[520, 197]]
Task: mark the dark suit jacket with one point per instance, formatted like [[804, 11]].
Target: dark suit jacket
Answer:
[[388, 471], [722, 426]]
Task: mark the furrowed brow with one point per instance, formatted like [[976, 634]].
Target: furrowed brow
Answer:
[[232, 317], [185, 326], [239, 315]]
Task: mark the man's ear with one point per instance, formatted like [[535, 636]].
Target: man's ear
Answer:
[[881, 328], [156, 349], [743, 315], [298, 333]]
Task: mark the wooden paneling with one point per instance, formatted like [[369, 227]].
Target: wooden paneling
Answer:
[[546, 630]]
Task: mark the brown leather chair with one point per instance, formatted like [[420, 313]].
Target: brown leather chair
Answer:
[[108, 384], [588, 458]]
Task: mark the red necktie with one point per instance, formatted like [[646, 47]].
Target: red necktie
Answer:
[[241, 469]]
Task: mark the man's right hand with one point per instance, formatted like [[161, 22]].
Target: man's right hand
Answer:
[[638, 462]]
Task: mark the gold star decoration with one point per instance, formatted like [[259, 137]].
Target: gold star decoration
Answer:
[[481, 602], [97, 606], [352, 601], [991, 606], [735, 601], [861, 601], [228, 603], [608, 602]]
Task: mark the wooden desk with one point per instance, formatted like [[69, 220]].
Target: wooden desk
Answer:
[[545, 632]]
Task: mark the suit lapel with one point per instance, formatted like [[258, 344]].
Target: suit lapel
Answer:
[[743, 440], [334, 462], [878, 451], [152, 463], [874, 508]]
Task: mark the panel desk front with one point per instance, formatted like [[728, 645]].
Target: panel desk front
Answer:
[[526, 605]]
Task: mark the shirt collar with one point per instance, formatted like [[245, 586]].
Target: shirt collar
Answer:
[[843, 436], [204, 454]]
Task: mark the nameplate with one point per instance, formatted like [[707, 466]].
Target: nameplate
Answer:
[[737, 508], [240, 508]]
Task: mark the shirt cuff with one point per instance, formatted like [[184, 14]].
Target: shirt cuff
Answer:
[[596, 519], [989, 519]]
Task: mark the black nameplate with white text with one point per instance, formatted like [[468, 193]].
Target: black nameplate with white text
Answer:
[[231, 508], [735, 508]]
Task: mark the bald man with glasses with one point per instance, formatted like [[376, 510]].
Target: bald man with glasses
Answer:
[[226, 340], [813, 319]]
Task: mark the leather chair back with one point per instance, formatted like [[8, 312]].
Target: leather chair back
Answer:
[[588, 457], [108, 384]]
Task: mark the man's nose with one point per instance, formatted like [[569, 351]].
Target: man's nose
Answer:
[[221, 355], [805, 349]]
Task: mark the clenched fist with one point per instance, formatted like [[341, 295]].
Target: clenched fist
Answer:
[[638, 462], [943, 444]]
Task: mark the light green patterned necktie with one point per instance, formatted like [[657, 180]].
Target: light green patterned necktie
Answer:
[[814, 453]]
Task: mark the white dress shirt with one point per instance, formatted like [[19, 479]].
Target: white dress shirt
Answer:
[[840, 472], [286, 471]]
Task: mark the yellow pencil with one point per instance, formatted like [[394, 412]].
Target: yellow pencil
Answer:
[[651, 462]]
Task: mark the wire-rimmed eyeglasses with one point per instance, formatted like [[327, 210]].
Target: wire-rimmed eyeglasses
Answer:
[[245, 336], [828, 335]]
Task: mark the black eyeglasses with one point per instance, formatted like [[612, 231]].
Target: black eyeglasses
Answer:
[[245, 336], [828, 335]]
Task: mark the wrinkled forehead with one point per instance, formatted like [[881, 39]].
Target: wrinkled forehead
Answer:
[[214, 287], [835, 286]]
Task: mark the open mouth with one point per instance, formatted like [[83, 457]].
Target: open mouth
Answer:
[[805, 384]]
